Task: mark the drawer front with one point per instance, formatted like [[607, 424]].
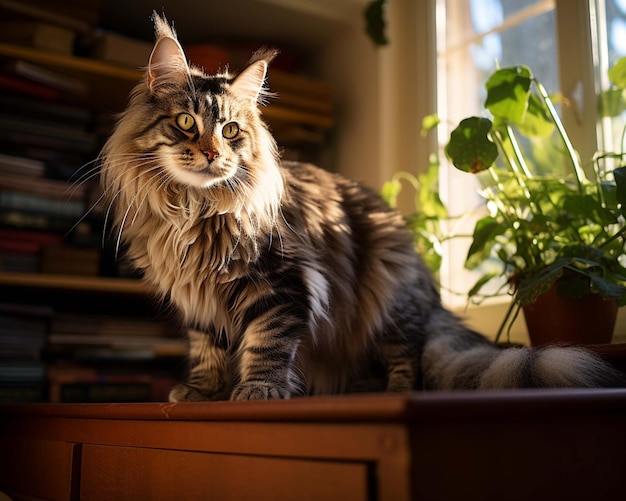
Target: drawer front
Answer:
[[126, 473], [40, 469]]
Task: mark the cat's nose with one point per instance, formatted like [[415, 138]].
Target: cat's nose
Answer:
[[211, 155]]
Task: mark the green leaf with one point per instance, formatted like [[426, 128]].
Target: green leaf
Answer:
[[607, 288], [429, 122], [508, 91], [470, 148], [612, 102], [617, 73], [586, 208], [430, 202], [529, 289], [485, 231], [481, 282], [536, 120], [429, 248], [390, 191]]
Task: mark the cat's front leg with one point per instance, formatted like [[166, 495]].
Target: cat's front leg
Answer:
[[207, 379], [267, 357]]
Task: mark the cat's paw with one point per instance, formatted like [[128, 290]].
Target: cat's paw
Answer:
[[188, 393], [256, 390]]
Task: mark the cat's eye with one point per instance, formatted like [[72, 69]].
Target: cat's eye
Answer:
[[185, 121], [230, 130]]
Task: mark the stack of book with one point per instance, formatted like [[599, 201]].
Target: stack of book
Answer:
[[47, 135], [113, 337], [112, 358], [23, 331]]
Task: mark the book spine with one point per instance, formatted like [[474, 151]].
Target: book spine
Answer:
[[12, 200]]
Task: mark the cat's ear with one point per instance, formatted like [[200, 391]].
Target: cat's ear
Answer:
[[167, 60], [250, 83]]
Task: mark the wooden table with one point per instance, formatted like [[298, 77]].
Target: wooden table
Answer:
[[532, 445]]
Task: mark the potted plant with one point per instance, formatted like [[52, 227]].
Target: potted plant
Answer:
[[554, 237]]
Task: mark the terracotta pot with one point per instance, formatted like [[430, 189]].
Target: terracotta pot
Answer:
[[557, 319]]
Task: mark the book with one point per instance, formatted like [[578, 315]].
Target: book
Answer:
[[36, 204], [104, 325], [26, 242], [28, 310], [23, 220], [17, 262], [48, 77], [113, 47], [158, 346], [72, 382], [101, 392], [37, 108], [77, 15], [10, 164], [49, 142], [70, 132], [22, 372], [22, 337], [67, 260], [38, 35], [22, 393], [49, 188], [27, 87], [22, 326]]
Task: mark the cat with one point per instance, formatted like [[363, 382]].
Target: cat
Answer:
[[290, 279]]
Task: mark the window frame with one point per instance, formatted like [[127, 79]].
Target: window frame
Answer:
[[581, 68]]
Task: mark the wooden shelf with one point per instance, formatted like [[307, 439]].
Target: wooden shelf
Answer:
[[73, 63], [75, 283], [306, 102]]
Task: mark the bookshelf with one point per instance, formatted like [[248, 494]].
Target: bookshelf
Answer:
[[74, 63], [67, 335], [48, 130], [105, 285], [303, 101]]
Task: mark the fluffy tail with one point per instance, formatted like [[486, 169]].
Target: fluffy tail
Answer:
[[455, 357]]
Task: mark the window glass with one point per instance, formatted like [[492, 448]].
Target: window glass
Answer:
[[480, 36], [611, 40]]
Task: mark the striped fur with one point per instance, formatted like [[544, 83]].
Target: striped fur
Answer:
[[292, 280]]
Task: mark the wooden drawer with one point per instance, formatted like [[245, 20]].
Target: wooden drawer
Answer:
[[39, 469], [127, 473]]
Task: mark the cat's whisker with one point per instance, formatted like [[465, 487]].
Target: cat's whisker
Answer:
[[119, 191], [145, 187], [159, 174], [93, 205]]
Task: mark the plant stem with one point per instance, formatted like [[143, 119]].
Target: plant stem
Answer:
[[617, 235], [520, 177], [578, 171], [597, 177], [506, 319], [517, 151]]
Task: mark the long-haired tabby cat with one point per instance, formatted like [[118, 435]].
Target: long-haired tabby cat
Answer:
[[291, 280]]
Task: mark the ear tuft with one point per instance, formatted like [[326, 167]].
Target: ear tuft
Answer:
[[167, 61], [250, 83]]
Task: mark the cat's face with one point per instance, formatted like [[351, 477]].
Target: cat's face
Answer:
[[204, 132], [187, 135], [206, 128]]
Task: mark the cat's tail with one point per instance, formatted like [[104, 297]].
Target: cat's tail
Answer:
[[455, 357]]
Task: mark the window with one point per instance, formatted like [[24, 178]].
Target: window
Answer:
[[610, 33], [568, 44]]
